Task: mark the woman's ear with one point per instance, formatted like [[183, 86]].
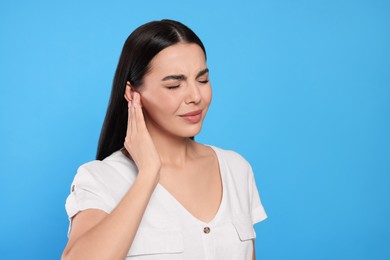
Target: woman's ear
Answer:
[[128, 92]]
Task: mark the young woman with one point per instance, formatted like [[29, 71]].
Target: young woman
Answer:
[[154, 192]]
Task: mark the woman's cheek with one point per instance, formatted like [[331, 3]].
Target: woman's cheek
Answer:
[[207, 95], [148, 101]]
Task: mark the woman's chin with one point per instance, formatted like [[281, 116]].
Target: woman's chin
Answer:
[[190, 132]]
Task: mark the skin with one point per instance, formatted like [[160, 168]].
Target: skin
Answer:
[[158, 141]]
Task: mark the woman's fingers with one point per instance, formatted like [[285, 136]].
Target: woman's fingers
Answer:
[[139, 116], [138, 141], [133, 118], [129, 116]]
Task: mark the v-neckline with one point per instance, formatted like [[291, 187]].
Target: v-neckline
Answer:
[[221, 204]]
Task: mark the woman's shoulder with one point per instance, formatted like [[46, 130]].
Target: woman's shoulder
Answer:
[[101, 184], [115, 166], [230, 156]]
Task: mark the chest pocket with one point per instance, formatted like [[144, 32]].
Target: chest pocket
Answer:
[[154, 243], [244, 227]]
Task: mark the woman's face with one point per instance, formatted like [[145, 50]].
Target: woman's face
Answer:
[[176, 92]]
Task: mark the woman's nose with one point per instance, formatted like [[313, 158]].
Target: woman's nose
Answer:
[[193, 94]]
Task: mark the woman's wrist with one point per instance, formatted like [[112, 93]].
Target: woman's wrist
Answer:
[[149, 177]]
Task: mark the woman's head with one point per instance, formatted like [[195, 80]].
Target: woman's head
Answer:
[[135, 63]]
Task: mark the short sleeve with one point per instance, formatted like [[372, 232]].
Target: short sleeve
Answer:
[[88, 191], [257, 210]]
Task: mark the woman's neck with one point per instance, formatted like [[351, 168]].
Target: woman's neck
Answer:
[[173, 150]]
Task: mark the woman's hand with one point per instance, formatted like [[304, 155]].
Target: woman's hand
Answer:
[[138, 141]]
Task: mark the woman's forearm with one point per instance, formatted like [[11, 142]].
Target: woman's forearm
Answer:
[[112, 237]]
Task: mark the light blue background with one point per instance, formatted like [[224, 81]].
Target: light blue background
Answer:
[[301, 89]]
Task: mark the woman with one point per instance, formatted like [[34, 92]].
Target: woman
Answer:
[[153, 192]]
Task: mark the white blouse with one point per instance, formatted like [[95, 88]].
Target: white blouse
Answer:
[[167, 230]]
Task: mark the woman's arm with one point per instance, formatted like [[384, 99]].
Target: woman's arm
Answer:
[[109, 236], [98, 235]]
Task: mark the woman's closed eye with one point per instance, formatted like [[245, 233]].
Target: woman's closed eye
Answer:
[[204, 81], [172, 87]]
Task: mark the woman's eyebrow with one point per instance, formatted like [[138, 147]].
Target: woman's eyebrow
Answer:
[[174, 77], [202, 72]]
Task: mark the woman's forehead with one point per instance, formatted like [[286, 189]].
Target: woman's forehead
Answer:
[[179, 58]]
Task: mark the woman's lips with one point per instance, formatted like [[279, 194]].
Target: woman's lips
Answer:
[[193, 117]]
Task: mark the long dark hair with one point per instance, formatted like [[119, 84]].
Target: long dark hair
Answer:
[[139, 49]]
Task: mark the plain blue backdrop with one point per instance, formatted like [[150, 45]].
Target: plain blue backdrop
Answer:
[[301, 89]]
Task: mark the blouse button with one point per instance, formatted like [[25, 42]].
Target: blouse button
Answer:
[[206, 230]]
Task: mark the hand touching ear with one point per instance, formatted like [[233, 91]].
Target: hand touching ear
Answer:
[[138, 141]]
